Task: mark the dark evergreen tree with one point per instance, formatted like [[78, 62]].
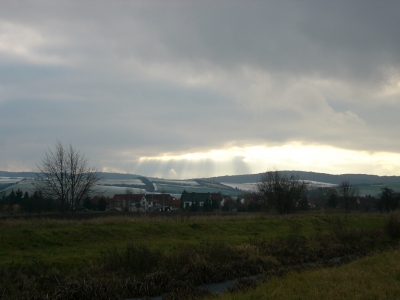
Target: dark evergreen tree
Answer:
[[11, 198], [215, 204], [303, 203], [333, 200], [18, 196], [88, 204], [102, 204], [389, 200], [3, 198], [208, 205]]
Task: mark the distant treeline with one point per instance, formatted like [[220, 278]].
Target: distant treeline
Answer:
[[22, 202], [355, 179], [35, 203]]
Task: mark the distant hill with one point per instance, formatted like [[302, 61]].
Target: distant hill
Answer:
[[250, 178], [320, 177], [17, 174], [104, 175]]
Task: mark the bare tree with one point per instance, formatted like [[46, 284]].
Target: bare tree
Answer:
[[281, 191], [349, 194], [64, 175]]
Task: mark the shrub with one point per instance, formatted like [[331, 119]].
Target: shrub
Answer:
[[392, 225], [134, 260], [337, 226]]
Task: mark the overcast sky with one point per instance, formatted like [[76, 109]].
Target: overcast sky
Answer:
[[183, 89]]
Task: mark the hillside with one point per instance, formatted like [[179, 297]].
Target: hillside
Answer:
[[250, 178], [116, 183], [313, 176]]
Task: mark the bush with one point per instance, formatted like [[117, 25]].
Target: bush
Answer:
[[392, 225]]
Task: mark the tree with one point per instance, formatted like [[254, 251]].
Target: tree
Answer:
[[38, 204], [26, 196], [18, 196], [102, 204], [65, 175], [11, 198], [349, 194], [303, 203], [3, 198], [332, 201], [208, 205], [281, 191], [88, 204], [389, 200]]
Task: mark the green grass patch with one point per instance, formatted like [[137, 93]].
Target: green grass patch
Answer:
[[76, 242], [137, 256]]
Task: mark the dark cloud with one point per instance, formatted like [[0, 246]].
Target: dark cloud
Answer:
[[148, 78]]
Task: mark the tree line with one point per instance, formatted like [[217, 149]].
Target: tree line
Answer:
[[35, 203], [287, 194]]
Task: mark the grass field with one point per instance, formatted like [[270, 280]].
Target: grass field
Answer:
[[373, 277], [68, 242], [160, 254]]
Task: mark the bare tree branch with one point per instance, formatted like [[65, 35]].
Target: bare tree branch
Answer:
[[280, 191], [349, 194], [64, 174]]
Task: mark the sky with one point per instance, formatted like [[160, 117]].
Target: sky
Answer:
[[185, 89]]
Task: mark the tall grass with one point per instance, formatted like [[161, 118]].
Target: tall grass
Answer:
[[127, 218], [175, 217], [145, 266], [392, 225], [372, 277]]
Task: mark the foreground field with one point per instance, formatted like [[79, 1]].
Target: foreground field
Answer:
[[373, 277], [74, 242], [136, 256]]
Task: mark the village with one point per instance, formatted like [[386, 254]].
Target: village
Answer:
[[189, 201]]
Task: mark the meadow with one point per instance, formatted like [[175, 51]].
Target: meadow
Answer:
[[130, 256]]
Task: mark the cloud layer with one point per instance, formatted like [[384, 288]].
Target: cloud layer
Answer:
[[128, 81]]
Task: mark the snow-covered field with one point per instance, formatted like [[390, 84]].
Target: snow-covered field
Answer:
[[178, 182], [112, 190], [320, 184], [252, 187], [242, 186], [10, 179], [121, 181]]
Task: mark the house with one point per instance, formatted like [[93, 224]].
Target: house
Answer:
[[135, 202], [160, 199], [195, 201], [125, 202]]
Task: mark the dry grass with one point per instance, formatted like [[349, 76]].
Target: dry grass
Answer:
[[392, 225], [43, 221], [372, 277], [195, 254], [295, 221]]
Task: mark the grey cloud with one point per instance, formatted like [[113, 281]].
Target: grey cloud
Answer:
[[122, 79]]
